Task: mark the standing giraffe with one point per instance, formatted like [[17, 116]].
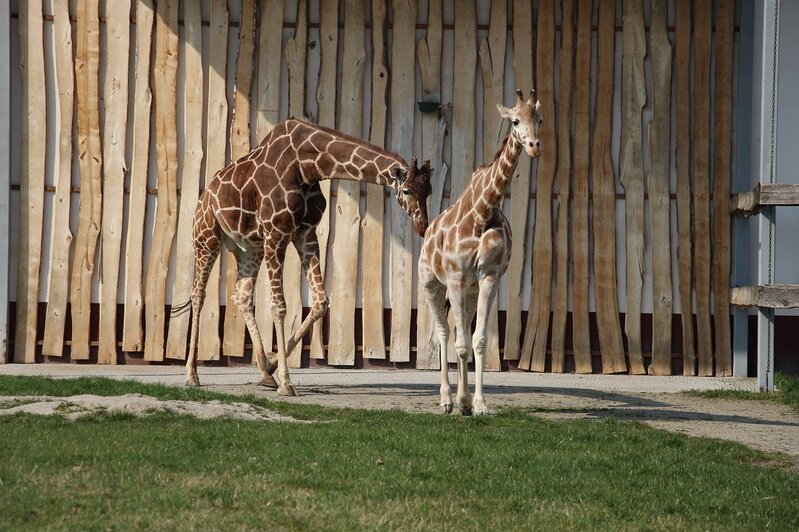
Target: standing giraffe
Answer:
[[466, 251], [270, 197]]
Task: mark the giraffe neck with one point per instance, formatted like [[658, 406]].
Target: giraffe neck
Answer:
[[325, 153], [489, 182]]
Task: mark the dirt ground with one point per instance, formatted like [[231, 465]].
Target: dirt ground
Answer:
[[657, 401]]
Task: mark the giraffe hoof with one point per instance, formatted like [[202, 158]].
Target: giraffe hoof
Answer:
[[268, 382], [465, 410], [446, 409], [271, 367], [193, 381], [287, 390], [482, 411]]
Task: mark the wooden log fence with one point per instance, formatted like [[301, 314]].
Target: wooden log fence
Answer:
[[567, 210]]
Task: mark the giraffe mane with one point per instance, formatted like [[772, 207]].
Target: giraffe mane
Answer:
[[380, 150], [497, 154]]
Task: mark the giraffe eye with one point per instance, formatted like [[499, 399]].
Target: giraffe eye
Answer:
[[406, 192], [516, 122]]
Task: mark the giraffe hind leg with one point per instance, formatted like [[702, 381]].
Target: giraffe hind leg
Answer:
[[206, 253]]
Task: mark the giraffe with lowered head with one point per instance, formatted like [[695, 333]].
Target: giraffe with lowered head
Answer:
[[270, 197], [466, 250]]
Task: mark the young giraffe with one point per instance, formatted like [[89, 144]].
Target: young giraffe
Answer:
[[466, 251], [270, 197]]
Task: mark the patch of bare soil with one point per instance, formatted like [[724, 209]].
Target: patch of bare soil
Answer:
[[77, 406], [762, 425]]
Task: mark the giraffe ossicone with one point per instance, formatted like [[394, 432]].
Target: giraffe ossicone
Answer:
[[269, 198], [466, 251]]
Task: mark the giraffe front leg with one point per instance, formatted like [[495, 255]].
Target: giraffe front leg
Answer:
[[436, 295], [308, 247], [488, 292], [463, 320], [274, 261]]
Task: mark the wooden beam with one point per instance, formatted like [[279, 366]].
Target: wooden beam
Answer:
[[132, 339], [604, 184], [682, 155], [778, 194], [520, 184], [722, 175], [633, 99], [166, 217], [56, 315], [87, 63], [32, 169], [348, 220], [5, 177], [776, 296], [658, 187], [190, 172], [560, 303], [534, 348], [115, 99], [403, 67]]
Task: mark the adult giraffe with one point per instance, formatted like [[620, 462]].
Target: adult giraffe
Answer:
[[466, 250], [270, 197]]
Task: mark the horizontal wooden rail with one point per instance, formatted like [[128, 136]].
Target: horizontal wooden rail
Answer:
[[747, 203], [778, 296]]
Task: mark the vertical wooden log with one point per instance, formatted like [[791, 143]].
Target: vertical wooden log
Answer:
[[216, 121], [5, 199], [374, 338], [269, 63], [165, 79], [604, 185], [31, 190], [292, 267], [658, 186], [115, 98], [725, 12], [402, 111], [348, 219], [581, 337], [55, 319], [561, 295], [520, 183], [137, 201], [87, 62], [703, 25], [492, 62], [189, 178], [429, 54], [463, 125], [682, 102], [534, 347], [633, 99], [233, 340], [326, 104]]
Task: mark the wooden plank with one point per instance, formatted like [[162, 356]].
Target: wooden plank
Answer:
[[87, 62], [429, 55], [725, 13], [269, 62], [115, 98], [56, 315], [190, 172], [166, 134], [534, 347], [682, 155], [31, 190], [520, 184], [701, 207], [132, 339], [403, 65], [633, 99], [326, 103], [5, 184], [778, 296], [215, 147], [749, 202], [581, 336], [345, 262], [604, 189], [463, 125], [292, 267], [233, 339], [561, 294], [492, 62], [658, 187]]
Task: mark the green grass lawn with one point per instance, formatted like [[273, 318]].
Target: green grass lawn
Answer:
[[786, 392], [372, 470]]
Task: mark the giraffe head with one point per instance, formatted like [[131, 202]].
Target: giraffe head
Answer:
[[524, 119], [412, 185]]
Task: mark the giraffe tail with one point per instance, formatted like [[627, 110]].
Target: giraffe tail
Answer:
[[179, 309]]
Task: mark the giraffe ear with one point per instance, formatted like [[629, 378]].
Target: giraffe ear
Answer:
[[399, 175], [504, 112]]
